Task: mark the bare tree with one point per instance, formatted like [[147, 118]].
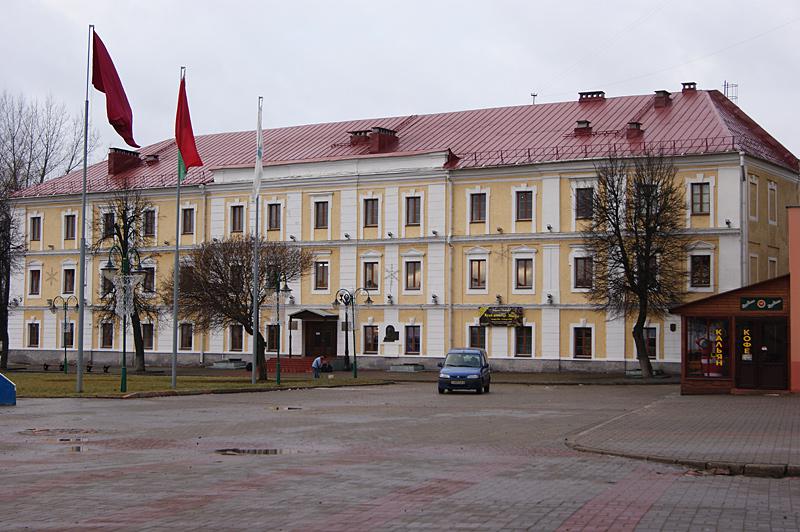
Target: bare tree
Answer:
[[121, 231], [216, 283], [637, 240], [38, 140]]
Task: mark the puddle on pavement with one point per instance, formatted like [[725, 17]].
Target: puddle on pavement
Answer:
[[237, 452], [286, 408], [54, 432], [76, 448]]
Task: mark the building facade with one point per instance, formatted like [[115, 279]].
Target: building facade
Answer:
[[440, 217]]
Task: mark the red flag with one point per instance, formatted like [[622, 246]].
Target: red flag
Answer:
[[184, 136], [106, 80]]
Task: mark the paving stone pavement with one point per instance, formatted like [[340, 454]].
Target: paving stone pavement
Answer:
[[397, 457]]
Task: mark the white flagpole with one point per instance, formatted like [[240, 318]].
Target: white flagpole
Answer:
[[177, 265], [256, 190], [82, 267]]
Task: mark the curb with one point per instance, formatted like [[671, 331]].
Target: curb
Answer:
[[713, 467], [215, 391]]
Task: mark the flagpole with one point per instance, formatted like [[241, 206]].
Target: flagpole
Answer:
[[177, 265], [256, 190], [82, 267]]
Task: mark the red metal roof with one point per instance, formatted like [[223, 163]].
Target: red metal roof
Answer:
[[695, 122]]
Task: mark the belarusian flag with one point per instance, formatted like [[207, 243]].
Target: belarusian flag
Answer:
[[106, 80], [184, 136]]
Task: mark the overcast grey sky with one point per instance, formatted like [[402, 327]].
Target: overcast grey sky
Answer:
[[320, 61]]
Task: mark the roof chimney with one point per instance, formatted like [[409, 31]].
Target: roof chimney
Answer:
[[689, 86], [662, 99], [634, 130], [591, 96], [583, 127], [120, 160], [382, 140], [359, 136]]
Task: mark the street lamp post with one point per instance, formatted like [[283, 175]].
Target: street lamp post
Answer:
[[64, 303], [348, 298], [278, 292]]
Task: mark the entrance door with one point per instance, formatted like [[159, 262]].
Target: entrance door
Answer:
[[319, 338], [761, 354]]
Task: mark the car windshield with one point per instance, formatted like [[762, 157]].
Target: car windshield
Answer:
[[463, 360]]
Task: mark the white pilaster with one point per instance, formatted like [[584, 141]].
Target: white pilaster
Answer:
[[349, 212], [347, 266], [294, 215], [551, 347], [435, 332], [672, 340], [551, 204], [550, 273], [392, 215], [499, 342], [615, 338], [436, 274], [436, 205], [729, 263], [217, 218]]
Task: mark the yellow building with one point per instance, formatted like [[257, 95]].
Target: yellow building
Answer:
[[438, 216]]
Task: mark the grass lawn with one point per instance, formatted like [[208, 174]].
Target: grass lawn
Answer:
[[102, 385]]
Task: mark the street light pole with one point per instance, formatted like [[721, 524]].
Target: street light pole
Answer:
[[348, 298], [64, 303]]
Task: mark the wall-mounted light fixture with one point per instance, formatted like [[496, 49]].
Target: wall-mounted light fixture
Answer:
[[389, 299], [435, 299], [292, 237], [347, 236], [435, 232], [549, 227], [549, 299], [390, 234]]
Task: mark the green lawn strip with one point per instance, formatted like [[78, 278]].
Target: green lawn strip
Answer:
[[37, 385]]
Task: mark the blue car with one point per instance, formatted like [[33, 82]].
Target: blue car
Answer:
[[465, 369]]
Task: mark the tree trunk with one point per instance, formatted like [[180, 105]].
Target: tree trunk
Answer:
[[138, 343], [260, 358], [4, 325], [641, 345]]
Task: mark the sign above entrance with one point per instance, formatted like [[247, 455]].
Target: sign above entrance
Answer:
[[761, 303], [501, 316]]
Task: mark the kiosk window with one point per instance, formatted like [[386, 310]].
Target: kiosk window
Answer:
[[708, 348]]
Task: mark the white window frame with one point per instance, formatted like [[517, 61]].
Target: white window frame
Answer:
[[413, 193], [468, 196], [103, 211], [752, 179], [155, 331], [33, 265], [657, 327], [577, 252], [523, 187], [523, 252], [712, 184], [64, 214], [513, 348], [700, 248], [410, 322], [60, 335], [228, 349], [229, 217], [149, 262], [100, 335], [476, 253], [581, 324], [770, 268], [371, 323], [574, 184], [153, 208], [772, 187], [316, 198], [413, 255], [27, 333], [320, 256], [193, 206], [750, 269], [28, 241], [282, 230], [362, 212], [180, 336], [69, 265], [376, 257]]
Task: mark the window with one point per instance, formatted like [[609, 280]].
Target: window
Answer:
[[700, 271], [413, 210], [149, 226], [33, 335], [320, 215], [187, 221], [583, 342], [772, 202], [524, 341], [584, 272], [477, 274], [371, 275], [524, 277], [106, 286], [67, 334], [149, 282], [477, 211], [650, 339], [371, 212], [320, 276], [187, 331], [69, 227], [69, 281], [237, 338], [413, 275], [584, 203], [707, 347], [701, 198], [477, 336], [273, 338], [35, 283], [413, 339], [147, 336], [371, 339], [107, 335], [772, 267], [753, 203], [273, 217], [108, 225], [753, 269], [237, 219], [36, 228], [524, 206]]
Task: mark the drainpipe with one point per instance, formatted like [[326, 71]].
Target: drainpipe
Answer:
[[449, 271], [744, 217]]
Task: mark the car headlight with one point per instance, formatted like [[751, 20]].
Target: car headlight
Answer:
[[472, 376], [444, 376]]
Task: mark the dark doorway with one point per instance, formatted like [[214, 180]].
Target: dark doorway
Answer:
[[319, 338], [761, 354]]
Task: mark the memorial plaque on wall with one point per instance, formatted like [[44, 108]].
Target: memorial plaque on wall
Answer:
[[501, 316], [391, 334]]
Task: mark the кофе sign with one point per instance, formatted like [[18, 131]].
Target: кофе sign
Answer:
[[761, 303], [501, 316]]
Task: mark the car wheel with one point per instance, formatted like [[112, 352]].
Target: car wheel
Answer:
[[479, 390], [441, 391], [486, 388]]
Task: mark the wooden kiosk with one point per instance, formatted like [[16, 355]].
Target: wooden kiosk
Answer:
[[737, 341]]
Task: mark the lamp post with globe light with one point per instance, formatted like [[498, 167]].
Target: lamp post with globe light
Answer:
[[349, 299], [64, 303]]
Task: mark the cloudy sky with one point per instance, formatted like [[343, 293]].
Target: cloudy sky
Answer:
[[320, 61]]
